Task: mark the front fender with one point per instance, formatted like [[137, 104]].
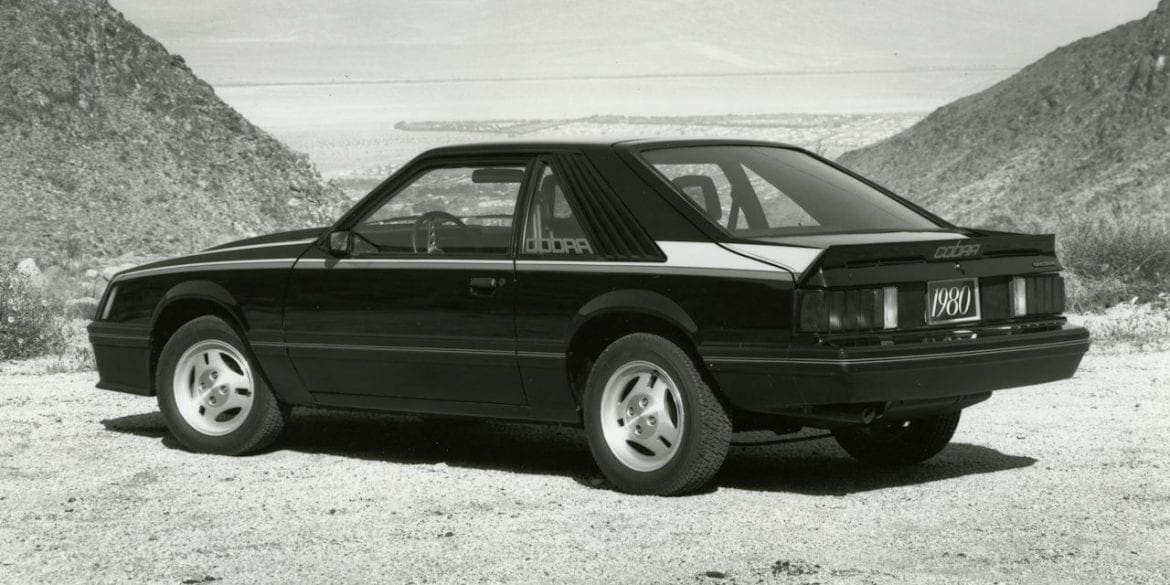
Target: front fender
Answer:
[[203, 290]]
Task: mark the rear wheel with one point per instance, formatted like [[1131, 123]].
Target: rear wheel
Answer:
[[211, 395], [653, 424], [899, 442]]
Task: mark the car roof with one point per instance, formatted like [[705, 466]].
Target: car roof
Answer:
[[589, 143]]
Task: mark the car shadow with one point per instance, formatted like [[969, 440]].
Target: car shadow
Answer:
[[822, 468], [811, 468]]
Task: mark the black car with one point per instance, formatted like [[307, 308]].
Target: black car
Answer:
[[661, 293]]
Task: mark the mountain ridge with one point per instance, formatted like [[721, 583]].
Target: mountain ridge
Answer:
[[1083, 130], [110, 145]]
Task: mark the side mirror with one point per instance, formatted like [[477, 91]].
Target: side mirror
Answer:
[[340, 243]]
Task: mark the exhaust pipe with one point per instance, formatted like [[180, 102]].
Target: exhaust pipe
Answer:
[[837, 416]]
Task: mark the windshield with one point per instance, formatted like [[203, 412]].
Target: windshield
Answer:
[[760, 191]]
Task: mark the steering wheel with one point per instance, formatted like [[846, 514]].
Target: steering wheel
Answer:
[[430, 220]]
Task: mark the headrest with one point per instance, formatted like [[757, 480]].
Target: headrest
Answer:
[[548, 187], [701, 190]]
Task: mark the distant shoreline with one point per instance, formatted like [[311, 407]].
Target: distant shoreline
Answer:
[[619, 77]]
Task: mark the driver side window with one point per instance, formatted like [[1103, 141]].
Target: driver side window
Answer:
[[466, 211]]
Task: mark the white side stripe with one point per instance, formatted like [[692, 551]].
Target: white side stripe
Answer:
[[709, 255], [220, 265], [693, 258], [254, 246], [791, 257], [682, 258]]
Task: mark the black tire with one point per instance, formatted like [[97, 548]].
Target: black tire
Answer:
[[899, 442], [262, 424], [705, 434]]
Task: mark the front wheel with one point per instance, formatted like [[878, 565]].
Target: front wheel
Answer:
[[898, 442], [210, 393], [653, 424]]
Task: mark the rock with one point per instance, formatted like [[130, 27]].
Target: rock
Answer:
[[794, 568], [83, 308], [29, 269], [109, 271], [91, 273]]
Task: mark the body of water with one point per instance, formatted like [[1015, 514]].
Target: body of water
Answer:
[[344, 126]]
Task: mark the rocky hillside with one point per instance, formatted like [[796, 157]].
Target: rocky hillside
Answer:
[[109, 145], [1085, 130]]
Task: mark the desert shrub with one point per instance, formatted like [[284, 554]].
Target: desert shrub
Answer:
[[1128, 327], [31, 323], [1112, 260], [74, 352]]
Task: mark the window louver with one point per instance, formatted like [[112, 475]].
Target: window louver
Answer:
[[618, 236]]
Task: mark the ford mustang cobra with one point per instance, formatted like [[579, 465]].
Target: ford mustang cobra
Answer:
[[659, 293]]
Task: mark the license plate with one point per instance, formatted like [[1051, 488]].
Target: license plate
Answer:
[[952, 301]]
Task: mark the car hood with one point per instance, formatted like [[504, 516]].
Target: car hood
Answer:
[[259, 249], [289, 237]]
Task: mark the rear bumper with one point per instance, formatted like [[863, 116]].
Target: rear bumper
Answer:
[[899, 372]]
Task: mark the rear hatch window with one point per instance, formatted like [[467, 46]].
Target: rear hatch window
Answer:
[[767, 193]]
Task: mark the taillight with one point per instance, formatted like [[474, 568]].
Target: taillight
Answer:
[[890, 307], [1040, 294], [863, 309]]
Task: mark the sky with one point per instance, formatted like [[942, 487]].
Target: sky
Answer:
[[228, 42], [334, 78]]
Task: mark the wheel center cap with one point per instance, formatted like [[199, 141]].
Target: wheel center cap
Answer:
[[216, 398], [217, 394], [207, 379]]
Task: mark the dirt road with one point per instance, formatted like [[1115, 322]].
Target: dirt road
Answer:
[[1065, 483]]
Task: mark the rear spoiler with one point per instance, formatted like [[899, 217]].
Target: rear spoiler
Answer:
[[991, 255]]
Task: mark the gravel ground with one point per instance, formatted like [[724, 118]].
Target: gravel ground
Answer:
[[1064, 483]]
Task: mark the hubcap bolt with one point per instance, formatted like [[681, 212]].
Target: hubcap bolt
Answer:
[[630, 411], [644, 401], [651, 421], [638, 430]]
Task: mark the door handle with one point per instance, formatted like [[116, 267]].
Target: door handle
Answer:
[[486, 284]]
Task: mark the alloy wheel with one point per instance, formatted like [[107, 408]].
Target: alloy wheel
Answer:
[[642, 416], [213, 387]]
